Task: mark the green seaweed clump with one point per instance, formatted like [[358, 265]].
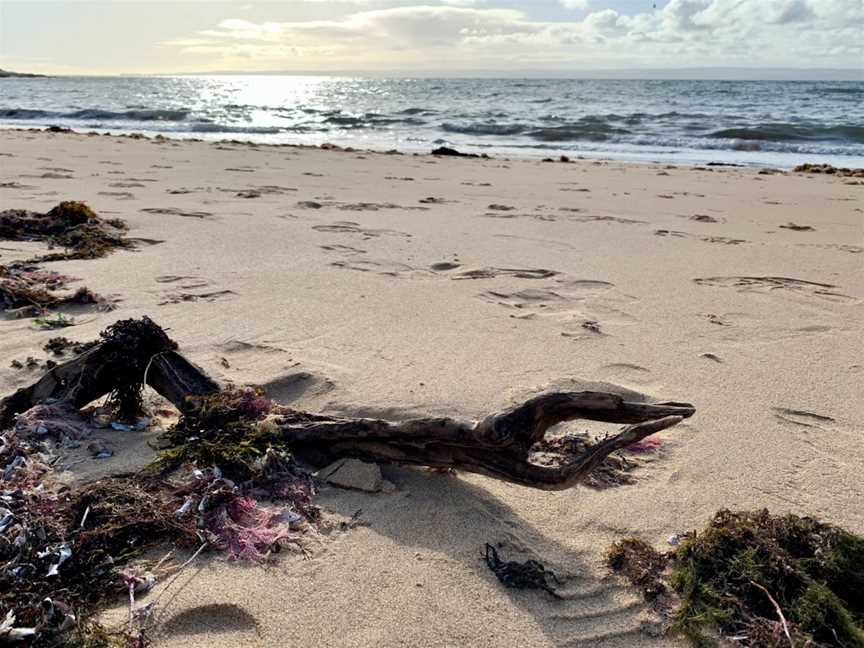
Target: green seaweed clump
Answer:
[[223, 429], [765, 581], [814, 572]]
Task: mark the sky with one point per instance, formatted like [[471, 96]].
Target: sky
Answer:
[[439, 36]]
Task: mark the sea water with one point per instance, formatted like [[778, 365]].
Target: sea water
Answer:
[[769, 123]]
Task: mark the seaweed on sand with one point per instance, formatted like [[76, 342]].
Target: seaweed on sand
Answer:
[[763, 580], [65, 551], [615, 470], [222, 429], [71, 225], [126, 348], [58, 346]]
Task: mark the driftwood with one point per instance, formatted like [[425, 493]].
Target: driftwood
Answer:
[[498, 446]]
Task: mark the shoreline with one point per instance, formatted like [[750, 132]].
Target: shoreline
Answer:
[[722, 157]]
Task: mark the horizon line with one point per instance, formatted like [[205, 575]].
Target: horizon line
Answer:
[[702, 73]]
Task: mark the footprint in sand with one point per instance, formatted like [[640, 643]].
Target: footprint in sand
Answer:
[[119, 195], [241, 346], [804, 418], [704, 218], [258, 191], [172, 211], [444, 266], [584, 307], [491, 273], [387, 268], [293, 386], [441, 269], [181, 297], [50, 175], [605, 219], [145, 241], [549, 243], [15, 185], [214, 618], [625, 372], [368, 206], [186, 282], [851, 249], [765, 285], [342, 249], [795, 227], [707, 239], [350, 227]]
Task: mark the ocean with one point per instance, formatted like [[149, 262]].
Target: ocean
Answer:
[[766, 123]]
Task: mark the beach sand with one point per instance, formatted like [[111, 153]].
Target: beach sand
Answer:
[[332, 280]]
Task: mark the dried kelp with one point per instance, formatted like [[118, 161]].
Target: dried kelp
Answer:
[[70, 225], [125, 349], [530, 574]]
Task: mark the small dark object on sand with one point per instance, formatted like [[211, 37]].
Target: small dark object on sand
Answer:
[[798, 228], [58, 129], [445, 150], [59, 345], [525, 575]]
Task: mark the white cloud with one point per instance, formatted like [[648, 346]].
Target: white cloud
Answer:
[[728, 33], [575, 4]]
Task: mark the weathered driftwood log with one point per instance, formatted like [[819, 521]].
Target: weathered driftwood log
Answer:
[[131, 352], [498, 446]]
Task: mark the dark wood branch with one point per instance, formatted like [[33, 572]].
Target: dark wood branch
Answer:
[[499, 445]]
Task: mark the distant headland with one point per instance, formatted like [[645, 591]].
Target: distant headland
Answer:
[[8, 73]]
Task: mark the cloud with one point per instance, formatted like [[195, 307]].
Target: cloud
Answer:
[[728, 33], [575, 4]]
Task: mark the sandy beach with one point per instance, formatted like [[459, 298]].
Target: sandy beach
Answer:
[[394, 285]]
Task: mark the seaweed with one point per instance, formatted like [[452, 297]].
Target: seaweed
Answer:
[[614, 470], [640, 563], [71, 548], [63, 552], [829, 170], [58, 346], [59, 320], [764, 580], [530, 574], [126, 348], [222, 429], [71, 225]]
